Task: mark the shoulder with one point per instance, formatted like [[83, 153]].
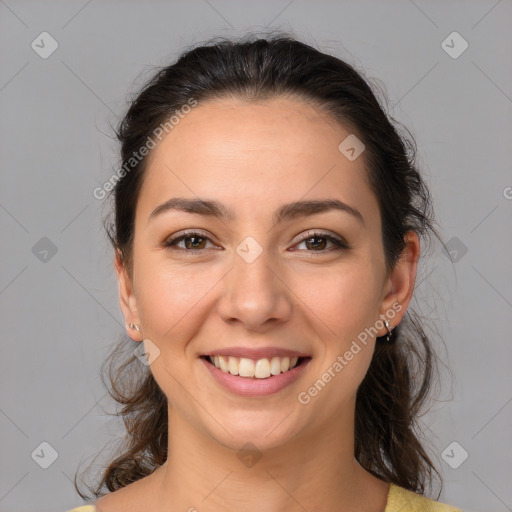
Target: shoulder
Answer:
[[107, 503], [133, 497], [122, 499], [403, 499]]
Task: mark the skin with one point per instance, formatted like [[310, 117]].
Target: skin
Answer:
[[254, 158]]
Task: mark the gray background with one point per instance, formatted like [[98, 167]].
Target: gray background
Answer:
[[60, 312]]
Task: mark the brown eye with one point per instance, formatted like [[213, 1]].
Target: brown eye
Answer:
[[317, 242], [193, 241], [314, 241], [196, 242]]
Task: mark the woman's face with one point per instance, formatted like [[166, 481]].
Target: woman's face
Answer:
[[250, 281]]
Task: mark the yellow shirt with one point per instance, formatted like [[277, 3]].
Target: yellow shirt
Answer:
[[399, 500]]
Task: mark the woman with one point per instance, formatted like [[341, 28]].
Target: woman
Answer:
[[267, 230]]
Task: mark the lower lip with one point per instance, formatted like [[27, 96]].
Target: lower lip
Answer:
[[253, 387]]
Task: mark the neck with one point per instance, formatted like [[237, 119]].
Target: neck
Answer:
[[314, 471]]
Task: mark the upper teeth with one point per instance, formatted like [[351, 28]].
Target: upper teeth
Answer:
[[261, 369]]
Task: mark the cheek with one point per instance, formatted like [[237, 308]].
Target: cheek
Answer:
[[343, 299], [170, 299], [344, 307]]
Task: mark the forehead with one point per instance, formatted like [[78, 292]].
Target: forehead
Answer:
[[255, 156]]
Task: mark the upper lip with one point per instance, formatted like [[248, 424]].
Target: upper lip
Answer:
[[255, 353]]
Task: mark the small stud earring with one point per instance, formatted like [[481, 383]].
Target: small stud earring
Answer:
[[135, 326]]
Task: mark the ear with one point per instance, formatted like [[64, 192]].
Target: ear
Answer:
[[127, 299], [399, 286]]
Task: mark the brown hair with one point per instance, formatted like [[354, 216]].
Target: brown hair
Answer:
[[400, 375]]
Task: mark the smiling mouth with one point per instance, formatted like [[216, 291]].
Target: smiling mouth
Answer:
[[256, 369]]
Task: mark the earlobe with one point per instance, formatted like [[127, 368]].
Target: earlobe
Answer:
[[127, 300], [401, 282]]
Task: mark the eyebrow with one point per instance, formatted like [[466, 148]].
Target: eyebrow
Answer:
[[287, 211]]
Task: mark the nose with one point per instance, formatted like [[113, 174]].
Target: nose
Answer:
[[255, 293]]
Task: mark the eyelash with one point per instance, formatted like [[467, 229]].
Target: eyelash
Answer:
[[339, 244]]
